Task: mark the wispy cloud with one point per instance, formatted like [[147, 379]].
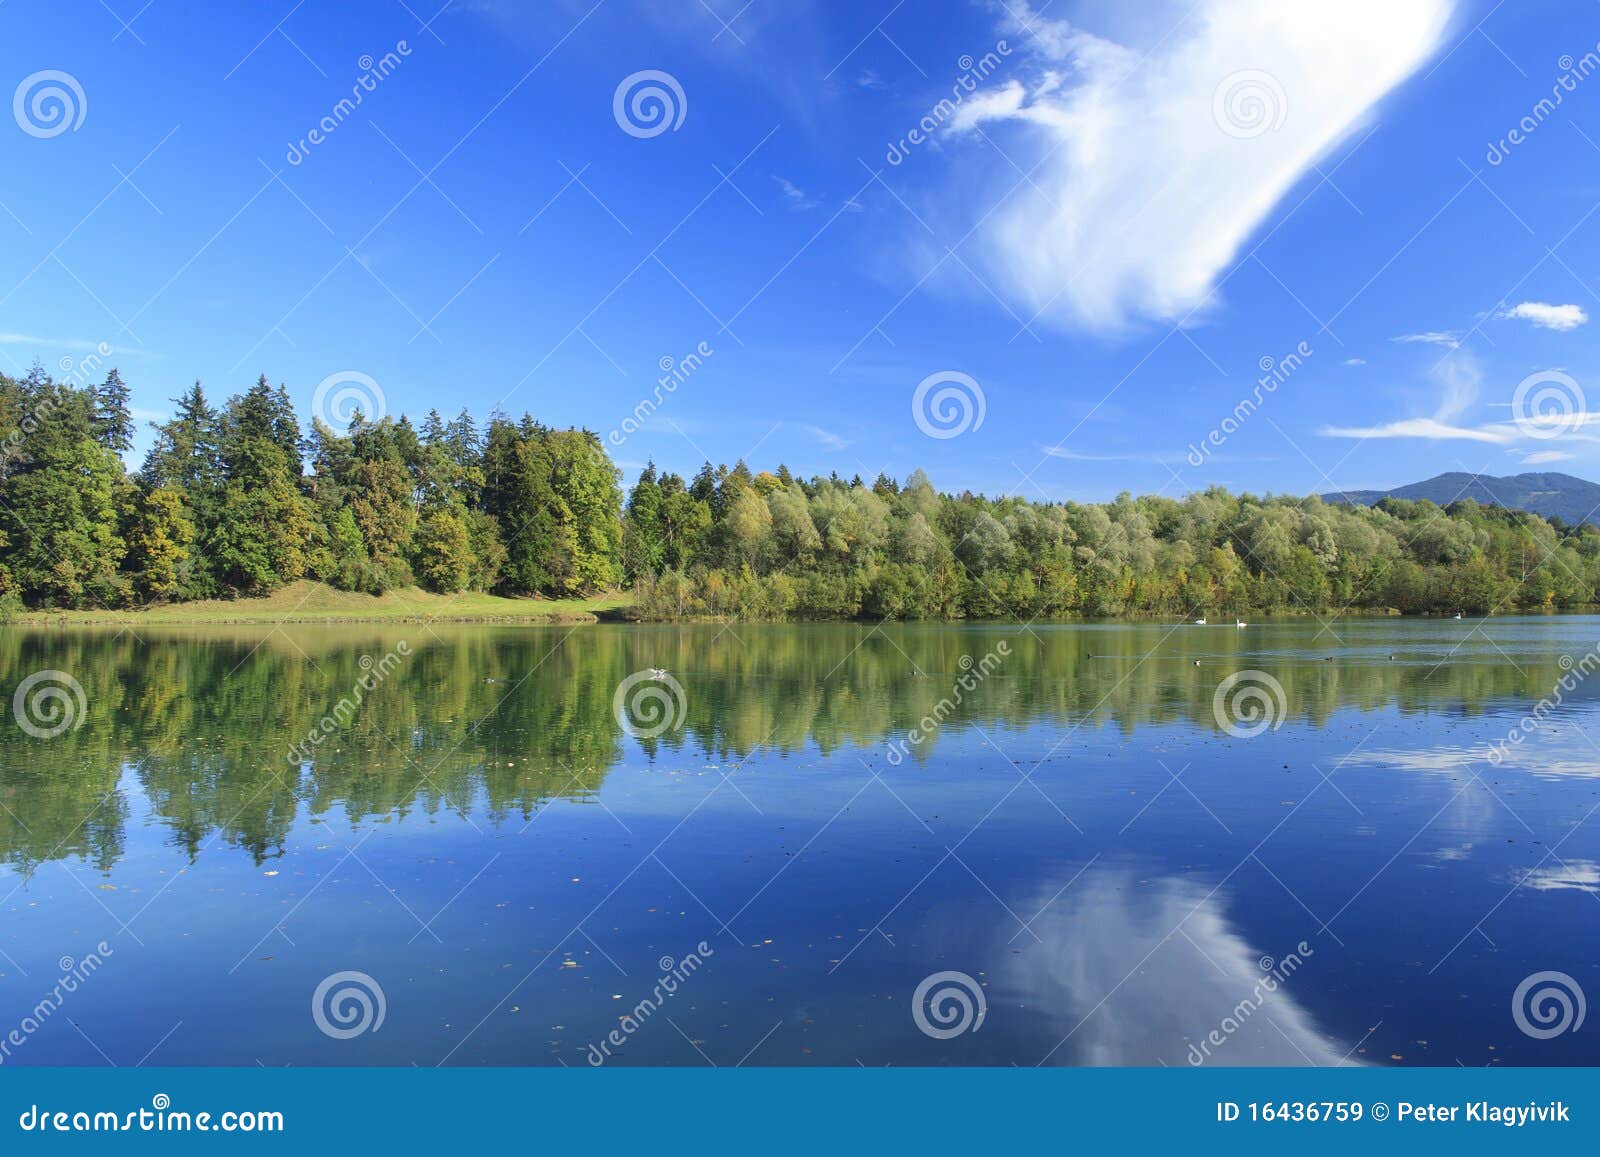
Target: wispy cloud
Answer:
[[1430, 428], [1546, 316], [1154, 167], [48, 342], [1354, 362], [1131, 456], [1459, 377], [794, 195], [1442, 337], [828, 438]]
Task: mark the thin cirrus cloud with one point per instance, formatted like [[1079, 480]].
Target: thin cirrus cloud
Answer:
[[1430, 428], [1443, 337], [1132, 456], [1459, 377], [1156, 166], [1560, 318], [829, 440]]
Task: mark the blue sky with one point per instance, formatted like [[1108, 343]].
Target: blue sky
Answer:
[[1127, 210]]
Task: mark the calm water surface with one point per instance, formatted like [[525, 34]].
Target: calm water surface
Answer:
[[1082, 835]]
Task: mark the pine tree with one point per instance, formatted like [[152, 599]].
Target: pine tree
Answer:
[[113, 421]]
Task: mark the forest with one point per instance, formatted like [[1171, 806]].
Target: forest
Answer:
[[238, 499]]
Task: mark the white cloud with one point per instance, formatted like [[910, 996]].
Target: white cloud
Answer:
[[1075, 456], [828, 438], [1418, 428], [1459, 376], [1354, 362], [53, 343], [1156, 166], [1432, 337], [1546, 316], [1539, 458], [795, 195]]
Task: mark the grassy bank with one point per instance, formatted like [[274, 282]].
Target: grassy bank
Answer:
[[314, 602]]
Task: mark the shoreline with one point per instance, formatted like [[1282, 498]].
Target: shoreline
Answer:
[[313, 603], [612, 610]]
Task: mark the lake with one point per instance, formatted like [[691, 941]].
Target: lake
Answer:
[[1084, 844]]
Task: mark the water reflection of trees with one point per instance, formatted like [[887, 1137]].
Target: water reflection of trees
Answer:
[[502, 720]]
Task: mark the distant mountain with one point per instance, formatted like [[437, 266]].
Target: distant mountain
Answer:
[[1573, 500]]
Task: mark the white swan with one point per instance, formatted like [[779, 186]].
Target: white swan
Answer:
[[1200, 622], [1240, 623]]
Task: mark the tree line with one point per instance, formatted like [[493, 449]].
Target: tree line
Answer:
[[238, 499]]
